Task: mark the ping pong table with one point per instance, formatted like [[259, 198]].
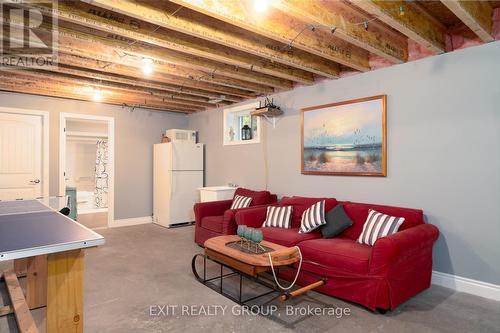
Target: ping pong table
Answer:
[[48, 249]]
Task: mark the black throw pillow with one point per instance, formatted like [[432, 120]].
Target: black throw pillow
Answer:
[[336, 222]]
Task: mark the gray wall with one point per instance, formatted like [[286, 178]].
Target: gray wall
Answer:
[[135, 134], [443, 151]]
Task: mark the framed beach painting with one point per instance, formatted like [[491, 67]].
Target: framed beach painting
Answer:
[[346, 138]]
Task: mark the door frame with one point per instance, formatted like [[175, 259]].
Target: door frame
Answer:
[[45, 141], [63, 117]]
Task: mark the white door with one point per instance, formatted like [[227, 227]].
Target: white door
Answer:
[[20, 156], [187, 156]]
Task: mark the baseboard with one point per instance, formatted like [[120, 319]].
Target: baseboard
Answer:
[[466, 285], [131, 221]]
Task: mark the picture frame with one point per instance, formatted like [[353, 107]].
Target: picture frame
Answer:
[[347, 138]]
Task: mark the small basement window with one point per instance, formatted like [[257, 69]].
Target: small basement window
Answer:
[[240, 127]]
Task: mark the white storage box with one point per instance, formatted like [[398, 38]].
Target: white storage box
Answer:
[[216, 193]]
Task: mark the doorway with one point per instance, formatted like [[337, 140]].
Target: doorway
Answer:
[[86, 170], [24, 154]]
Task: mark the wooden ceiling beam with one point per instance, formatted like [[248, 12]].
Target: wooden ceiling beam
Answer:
[[348, 24], [477, 15], [233, 39], [283, 28], [164, 82], [85, 43], [31, 83], [132, 84], [149, 33], [81, 43], [413, 21], [60, 75]]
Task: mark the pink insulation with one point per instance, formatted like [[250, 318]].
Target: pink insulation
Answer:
[[496, 24]]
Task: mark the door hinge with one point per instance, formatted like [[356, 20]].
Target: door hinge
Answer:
[[64, 129]]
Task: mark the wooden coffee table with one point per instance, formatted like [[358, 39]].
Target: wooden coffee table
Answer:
[[248, 265]]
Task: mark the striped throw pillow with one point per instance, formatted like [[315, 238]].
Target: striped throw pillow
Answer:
[[240, 201], [379, 225], [313, 217], [278, 217]]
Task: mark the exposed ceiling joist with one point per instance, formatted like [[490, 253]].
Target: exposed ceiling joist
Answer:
[[251, 44], [30, 82], [412, 21], [84, 42], [285, 29], [477, 15], [169, 83], [67, 75], [149, 33], [348, 25]]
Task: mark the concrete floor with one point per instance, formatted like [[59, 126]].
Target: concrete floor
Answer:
[[147, 265]]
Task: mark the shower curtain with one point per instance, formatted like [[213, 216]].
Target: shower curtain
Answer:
[[101, 175]]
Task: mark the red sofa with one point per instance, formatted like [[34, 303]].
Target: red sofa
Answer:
[[381, 277], [215, 218]]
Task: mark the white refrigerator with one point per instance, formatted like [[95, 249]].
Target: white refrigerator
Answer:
[[177, 175]]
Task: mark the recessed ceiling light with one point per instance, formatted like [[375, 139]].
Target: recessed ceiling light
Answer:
[[147, 66]]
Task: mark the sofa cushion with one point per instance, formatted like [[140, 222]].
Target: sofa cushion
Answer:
[[336, 222], [258, 197], [213, 223], [340, 254], [287, 237], [358, 212], [300, 204]]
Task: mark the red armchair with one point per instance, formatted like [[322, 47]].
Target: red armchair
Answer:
[[216, 218], [383, 276]]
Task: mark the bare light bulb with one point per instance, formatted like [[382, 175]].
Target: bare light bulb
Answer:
[[147, 66], [260, 6], [97, 97]]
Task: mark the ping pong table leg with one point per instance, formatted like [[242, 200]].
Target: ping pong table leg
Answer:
[[36, 287], [65, 292], [20, 267]]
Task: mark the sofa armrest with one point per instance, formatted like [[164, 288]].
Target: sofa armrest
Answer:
[[402, 246], [212, 208], [252, 216]]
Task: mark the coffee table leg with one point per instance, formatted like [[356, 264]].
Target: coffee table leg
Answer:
[[221, 278], [65, 292], [241, 283]]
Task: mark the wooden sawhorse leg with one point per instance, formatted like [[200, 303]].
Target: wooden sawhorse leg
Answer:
[[65, 292]]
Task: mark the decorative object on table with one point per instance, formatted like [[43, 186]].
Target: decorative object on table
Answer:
[[313, 217], [346, 138], [246, 133], [250, 239]]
